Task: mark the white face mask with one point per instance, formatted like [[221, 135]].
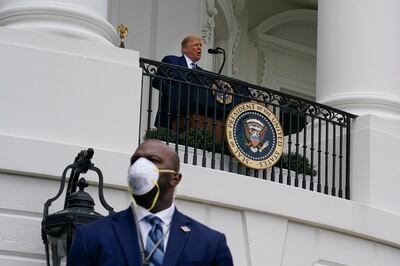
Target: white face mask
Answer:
[[142, 176]]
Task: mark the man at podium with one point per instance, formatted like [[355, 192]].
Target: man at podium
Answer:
[[169, 82]]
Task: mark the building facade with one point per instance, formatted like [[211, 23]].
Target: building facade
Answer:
[[66, 86]]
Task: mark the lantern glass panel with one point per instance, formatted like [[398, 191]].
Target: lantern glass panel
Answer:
[[58, 250]]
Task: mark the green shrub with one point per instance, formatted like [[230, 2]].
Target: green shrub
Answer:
[[195, 138], [299, 164]]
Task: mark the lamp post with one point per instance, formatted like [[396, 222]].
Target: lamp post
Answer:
[[58, 228]]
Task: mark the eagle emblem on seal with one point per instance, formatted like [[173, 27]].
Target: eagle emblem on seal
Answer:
[[255, 132]]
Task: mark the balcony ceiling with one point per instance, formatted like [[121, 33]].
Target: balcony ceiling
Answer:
[[260, 10]]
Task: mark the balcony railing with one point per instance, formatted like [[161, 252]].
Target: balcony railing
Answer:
[[188, 108]]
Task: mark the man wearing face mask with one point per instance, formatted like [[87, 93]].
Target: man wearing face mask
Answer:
[[151, 231]]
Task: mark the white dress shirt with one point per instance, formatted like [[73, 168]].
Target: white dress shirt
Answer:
[[144, 227], [189, 62]]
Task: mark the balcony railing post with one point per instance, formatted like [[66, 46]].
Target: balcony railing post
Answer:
[[348, 144]]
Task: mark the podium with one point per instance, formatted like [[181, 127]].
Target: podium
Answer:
[[202, 122], [206, 106]]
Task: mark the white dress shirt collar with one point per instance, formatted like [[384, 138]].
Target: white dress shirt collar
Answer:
[[189, 61], [164, 215], [144, 227]]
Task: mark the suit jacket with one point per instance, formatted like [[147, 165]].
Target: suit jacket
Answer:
[[176, 95], [169, 90], [113, 241], [175, 60]]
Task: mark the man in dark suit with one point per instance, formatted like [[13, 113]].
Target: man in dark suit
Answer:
[[168, 81], [191, 48], [152, 231]]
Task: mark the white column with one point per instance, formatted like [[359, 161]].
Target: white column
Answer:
[[65, 87], [359, 56], [358, 60], [79, 19]]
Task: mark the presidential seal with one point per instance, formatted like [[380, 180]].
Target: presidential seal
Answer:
[[224, 98], [254, 135]]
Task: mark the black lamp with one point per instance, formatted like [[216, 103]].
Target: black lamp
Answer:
[[58, 228]]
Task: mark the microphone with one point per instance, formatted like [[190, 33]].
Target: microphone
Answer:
[[216, 50]]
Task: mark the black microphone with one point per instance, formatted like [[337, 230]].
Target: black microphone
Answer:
[[217, 50]]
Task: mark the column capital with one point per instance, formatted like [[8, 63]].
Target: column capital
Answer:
[[84, 20]]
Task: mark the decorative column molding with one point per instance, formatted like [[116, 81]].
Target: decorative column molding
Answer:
[[238, 6], [266, 66], [285, 53], [207, 29], [231, 11], [299, 26], [84, 20], [270, 47], [286, 48]]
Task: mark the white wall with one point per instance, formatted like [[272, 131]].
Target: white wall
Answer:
[[157, 27], [74, 92], [375, 176], [57, 97], [47, 86], [265, 223]]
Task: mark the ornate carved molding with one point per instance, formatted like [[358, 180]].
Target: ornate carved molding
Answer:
[[286, 48], [287, 18], [278, 37], [266, 69], [238, 6], [300, 26], [207, 29]]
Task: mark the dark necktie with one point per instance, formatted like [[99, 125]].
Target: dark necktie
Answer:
[[193, 65], [155, 235]]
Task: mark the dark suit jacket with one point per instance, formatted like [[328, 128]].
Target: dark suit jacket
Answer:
[[175, 60], [168, 84], [113, 241], [180, 98]]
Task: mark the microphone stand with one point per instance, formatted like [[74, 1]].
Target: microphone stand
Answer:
[[223, 61]]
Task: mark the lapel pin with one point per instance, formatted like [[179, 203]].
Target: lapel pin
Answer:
[[185, 229]]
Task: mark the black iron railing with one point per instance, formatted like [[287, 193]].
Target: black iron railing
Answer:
[[187, 109]]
